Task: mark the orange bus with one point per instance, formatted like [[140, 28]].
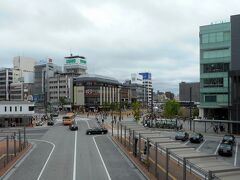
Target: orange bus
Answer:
[[68, 118]]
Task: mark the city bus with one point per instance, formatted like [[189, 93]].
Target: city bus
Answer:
[[68, 118]]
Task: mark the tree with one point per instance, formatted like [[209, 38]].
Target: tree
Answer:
[[183, 112], [62, 101], [171, 108], [195, 111], [136, 110]]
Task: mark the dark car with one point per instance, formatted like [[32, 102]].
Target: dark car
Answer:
[[39, 123], [181, 135], [225, 149], [50, 123], [55, 115], [73, 126], [230, 139], [97, 131], [196, 138]]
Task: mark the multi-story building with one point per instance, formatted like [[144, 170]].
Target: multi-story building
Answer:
[[75, 65], [189, 89], [43, 70], [21, 91], [23, 69], [135, 91], [60, 86], [147, 84], [220, 71], [6, 78], [215, 60], [93, 91], [18, 113]]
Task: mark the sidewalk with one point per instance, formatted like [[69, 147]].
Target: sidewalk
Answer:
[[13, 159]]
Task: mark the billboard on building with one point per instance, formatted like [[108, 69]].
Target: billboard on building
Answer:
[[146, 75], [75, 61]]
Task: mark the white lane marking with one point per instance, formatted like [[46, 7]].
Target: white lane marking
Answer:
[[87, 124], [218, 147], [186, 142], [236, 152], [75, 157], [44, 166], [101, 159], [199, 147]]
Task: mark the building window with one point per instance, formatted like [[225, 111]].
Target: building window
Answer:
[[15, 108], [5, 108], [213, 82], [215, 67], [31, 108], [216, 53], [20, 108], [10, 108], [215, 37], [210, 98]]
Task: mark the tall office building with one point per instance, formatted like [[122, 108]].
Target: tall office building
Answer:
[[6, 78], [43, 70], [147, 83], [23, 69], [219, 71]]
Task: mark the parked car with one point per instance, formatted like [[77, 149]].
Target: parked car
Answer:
[[225, 149], [97, 130], [196, 138], [73, 126], [182, 135], [39, 123], [230, 139], [50, 123]]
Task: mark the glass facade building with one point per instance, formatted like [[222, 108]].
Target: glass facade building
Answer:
[[215, 60]]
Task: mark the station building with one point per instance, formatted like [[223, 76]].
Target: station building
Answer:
[[17, 113]]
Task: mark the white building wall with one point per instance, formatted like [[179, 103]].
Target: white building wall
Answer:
[[24, 107], [24, 63]]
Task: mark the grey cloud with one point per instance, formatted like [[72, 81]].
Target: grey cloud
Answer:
[[117, 37]]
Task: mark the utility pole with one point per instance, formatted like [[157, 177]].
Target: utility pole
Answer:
[[190, 114], [152, 106]]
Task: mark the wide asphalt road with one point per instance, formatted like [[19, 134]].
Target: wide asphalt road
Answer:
[[61, 154]]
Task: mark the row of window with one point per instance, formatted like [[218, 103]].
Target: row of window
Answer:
[[215, 37], [215, 67], [55, 87], [55, 92], [55, 82], [10, 108], [30, 108], [213, 82], [221, 53]]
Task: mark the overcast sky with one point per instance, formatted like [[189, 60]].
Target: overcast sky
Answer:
[[118, 37]]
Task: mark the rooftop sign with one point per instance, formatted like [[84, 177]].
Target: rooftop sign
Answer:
[[75, 61]]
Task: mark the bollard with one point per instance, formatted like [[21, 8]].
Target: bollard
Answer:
[[7, 149], [15, 153], [19, 141]]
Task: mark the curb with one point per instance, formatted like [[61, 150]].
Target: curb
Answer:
[[15, 164], [120, 148]]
